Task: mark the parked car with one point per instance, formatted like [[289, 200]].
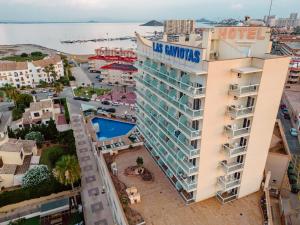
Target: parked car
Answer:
[[287, 116], [33, 92], [282, 106], [98, 77], [105, 103], [55, 95], [294, 132], [111, 110], [85, 99], [77, 98], [115, 104]]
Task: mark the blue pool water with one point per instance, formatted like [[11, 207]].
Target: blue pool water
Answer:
[[111, 128]]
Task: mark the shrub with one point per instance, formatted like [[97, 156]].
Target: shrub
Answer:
[[17, 113], [35, 136], [139, 161], [24, 55], [35, 176], [45, 188]]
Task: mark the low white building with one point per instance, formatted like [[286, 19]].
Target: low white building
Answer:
[[38, 113], [20, 74]]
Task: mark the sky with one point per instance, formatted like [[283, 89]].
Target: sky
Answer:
[[139, 10]]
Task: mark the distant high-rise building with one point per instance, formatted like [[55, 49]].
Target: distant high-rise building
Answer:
[[207, 107], [179, 26], [292, 21]]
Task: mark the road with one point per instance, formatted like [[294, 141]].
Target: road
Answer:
[[293, 142]]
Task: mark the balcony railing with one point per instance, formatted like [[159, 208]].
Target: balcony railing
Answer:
[[246, 90], [186, 166], [238, 111], [235, 132], [235, 149], [189, 131], [185, 109], [228, 183], [225, 197], [187, 87], [231, 167]]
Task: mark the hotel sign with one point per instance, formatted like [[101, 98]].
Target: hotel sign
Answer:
[[178, 51], [242, 33]]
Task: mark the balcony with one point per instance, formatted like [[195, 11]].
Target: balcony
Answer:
[[167, 152], [243, 91], [169, 113], [171, 98], [183, 85], [239, 111], [233, 131], [234, 150], [225, 197], [230, 168], [228, 183]]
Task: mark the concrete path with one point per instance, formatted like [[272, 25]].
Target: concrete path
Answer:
[[95, 204]]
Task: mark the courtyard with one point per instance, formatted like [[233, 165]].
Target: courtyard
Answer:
[[161, 204]]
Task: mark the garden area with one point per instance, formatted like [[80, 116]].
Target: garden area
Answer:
[[295, 187], [33, 56], [89, 91], [58, 170]]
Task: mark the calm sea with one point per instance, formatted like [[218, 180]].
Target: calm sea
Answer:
[[51, 35]]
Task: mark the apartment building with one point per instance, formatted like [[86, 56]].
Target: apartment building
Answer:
[[289, 45], [120, 74], [105, 56], [207, 107], [179, 26], [20, 74]]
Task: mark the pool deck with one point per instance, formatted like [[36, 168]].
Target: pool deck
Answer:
[[92, 132], [161, 204]]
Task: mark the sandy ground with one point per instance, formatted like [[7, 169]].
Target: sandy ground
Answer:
[[8, 50]]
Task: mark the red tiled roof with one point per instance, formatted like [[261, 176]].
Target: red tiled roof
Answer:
[[113, 58], [118, 66]]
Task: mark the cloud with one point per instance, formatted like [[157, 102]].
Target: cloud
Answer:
[[237, 6]]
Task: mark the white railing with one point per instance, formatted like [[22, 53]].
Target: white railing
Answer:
[[231, 167], [234, 150], [239, 90], [236, 111], [234, 131]]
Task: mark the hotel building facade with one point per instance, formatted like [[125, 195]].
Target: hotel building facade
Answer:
[[207, 107]]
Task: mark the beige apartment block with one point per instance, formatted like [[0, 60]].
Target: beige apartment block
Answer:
[[207, 108]]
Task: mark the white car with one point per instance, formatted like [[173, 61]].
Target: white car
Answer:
[[115, 104], [294, 132]]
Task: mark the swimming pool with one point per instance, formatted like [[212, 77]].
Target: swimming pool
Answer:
[[111, 128]]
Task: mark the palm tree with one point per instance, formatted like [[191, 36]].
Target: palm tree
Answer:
[[67, 170]]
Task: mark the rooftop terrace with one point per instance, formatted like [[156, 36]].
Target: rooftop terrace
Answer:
[[162, 205]]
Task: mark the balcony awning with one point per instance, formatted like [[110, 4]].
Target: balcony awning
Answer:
[[246, 70]]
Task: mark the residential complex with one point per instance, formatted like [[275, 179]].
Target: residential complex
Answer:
[[20, 74], [289, 45], [291, 21], [207, 107]]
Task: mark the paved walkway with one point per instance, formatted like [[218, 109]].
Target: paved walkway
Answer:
[[95, 204]]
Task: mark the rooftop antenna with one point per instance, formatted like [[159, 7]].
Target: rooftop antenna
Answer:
[[270, 7]]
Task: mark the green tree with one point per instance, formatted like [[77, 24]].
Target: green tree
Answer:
[[17, 113], [58, 87], [35, 136], [23, 101], [139, 161], [67, 170]]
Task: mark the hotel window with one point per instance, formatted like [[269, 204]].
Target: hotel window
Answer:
[[16, 74]]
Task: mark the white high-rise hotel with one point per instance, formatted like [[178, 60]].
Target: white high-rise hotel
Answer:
[[207, 108]]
